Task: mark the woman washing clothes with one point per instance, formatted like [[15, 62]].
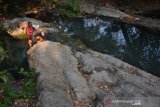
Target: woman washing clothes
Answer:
[[33, 36]]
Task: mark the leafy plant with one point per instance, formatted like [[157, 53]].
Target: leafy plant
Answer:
[[54, 1], [9, 95], [3, 105], [5, 76], [27, 74], [70, 9], [29, 89], [1, 27], [26, 91], [3, 53], [121, 2]]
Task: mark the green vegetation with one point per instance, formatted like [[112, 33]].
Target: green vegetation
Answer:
[[1, 27], [7, 94], [54, 1], [121, 2], [3, 53], [25, 88], [11, 89], [70, 9], [28, 88]]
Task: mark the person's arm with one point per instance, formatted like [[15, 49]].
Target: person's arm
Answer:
[[34, 31]]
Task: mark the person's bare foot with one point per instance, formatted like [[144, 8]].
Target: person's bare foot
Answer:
[[30, 43], [42, 33]]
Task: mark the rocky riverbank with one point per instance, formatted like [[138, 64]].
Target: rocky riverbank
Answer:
[[151, 24], [11, 27], [72, 78], [148, 23], [88, 79]]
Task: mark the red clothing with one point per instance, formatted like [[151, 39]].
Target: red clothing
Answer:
[[30, 31]]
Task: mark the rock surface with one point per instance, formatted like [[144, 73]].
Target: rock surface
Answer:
[[152, 24], [89, 79], [51, 81], [92, 9], [11, 27]]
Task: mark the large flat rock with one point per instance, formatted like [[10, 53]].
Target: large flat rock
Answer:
[[11, 27], [148, 23], [89, 79], [57, 69], [92, 9], [113, 79]]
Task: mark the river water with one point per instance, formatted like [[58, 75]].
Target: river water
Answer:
[[136, 46], [131, 44]]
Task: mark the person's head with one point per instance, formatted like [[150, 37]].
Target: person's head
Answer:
[[29, 24]]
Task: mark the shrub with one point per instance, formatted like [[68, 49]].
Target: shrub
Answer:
[[54, 1], [70, 9], [3, 53], [121, 2], [8, 94]]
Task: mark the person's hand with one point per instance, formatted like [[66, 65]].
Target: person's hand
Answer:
[[42, 33], [34, 33]]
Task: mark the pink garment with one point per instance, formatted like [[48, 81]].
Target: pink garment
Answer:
[[30, 31]]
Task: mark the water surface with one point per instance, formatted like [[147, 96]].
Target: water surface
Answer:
[[131, 44]]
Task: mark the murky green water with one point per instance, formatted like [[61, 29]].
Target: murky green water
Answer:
[[133, 45]]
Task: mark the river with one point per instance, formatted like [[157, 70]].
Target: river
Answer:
[[134, 45]]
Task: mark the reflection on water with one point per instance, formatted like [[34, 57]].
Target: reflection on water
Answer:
[[133, 45]]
